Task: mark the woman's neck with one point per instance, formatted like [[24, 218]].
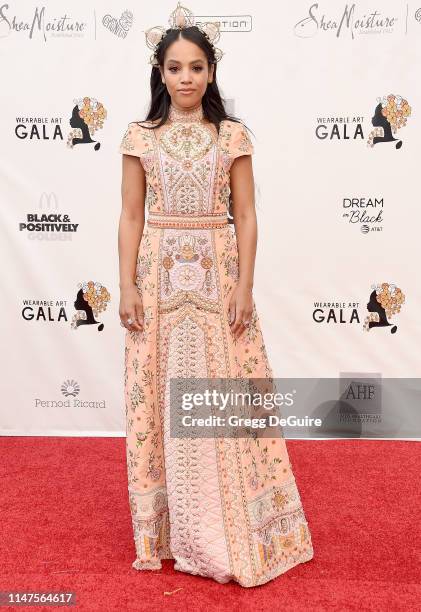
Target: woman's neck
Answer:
[[186, 115]]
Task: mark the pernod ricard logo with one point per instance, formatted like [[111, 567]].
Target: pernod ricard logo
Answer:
[[70, 387], [71, 390], [385, 301], [92, 298], [346, 21], [87, 118], [390, 115]]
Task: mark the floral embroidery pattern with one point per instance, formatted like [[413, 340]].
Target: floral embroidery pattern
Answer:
[[250, 505]]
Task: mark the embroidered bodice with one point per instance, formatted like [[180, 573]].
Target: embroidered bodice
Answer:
[[186, 162]]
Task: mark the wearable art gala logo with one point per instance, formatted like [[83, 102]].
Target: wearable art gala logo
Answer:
[[390, 115], [384, 303], [87, 118], [92, 299]]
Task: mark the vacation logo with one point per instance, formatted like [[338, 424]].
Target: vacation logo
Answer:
[[366, 214], [390, 115], [119, 27], [346, 22], [385, 302], [227, 23], [91, 299]]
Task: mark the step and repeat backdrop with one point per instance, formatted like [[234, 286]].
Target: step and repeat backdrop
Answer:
[[330, 91]]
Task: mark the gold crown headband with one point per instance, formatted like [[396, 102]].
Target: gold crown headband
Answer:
[[182, 18]]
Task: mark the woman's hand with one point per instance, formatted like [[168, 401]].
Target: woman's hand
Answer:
[[131, 307], [240, 309]]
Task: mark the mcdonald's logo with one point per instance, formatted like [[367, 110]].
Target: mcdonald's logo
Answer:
[[48, 201]]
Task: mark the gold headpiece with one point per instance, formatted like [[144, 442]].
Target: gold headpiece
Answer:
[[182, 18]]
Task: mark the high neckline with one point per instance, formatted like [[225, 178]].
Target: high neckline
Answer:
[[186, 116]]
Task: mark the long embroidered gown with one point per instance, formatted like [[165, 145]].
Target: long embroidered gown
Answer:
[[226, 508]]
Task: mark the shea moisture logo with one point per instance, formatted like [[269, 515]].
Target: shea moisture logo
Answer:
[[364, 213], [40, 24], [92, 298], [345, 21], [390, 115]]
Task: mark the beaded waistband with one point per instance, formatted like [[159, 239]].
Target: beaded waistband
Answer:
[[187, 220]]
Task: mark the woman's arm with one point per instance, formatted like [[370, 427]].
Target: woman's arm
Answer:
[[132, 221], [245, 222]]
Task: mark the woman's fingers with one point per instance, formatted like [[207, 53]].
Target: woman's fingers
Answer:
[[135, 316], [241, 317], [139, 313], [231, 313]]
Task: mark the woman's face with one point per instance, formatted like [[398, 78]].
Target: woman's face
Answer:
[[186, 68]]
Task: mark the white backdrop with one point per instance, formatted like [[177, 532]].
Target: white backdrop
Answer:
[[306, 78]]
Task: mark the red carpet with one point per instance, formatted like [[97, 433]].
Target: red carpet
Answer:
[[66, 527]]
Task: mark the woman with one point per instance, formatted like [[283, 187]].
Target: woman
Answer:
[[223, 508]]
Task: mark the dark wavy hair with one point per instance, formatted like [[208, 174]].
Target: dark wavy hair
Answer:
[[212, 102]]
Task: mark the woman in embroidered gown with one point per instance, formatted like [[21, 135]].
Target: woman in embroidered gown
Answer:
[[228, 508]]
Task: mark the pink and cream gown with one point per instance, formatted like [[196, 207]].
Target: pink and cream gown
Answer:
[[228, 509]]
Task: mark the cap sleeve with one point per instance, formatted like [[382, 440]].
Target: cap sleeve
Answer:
[[240, 143], [132, 141]]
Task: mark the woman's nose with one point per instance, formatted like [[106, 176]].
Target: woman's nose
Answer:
[[186, 77]]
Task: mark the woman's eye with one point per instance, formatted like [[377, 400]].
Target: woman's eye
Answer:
[[197, 68]]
